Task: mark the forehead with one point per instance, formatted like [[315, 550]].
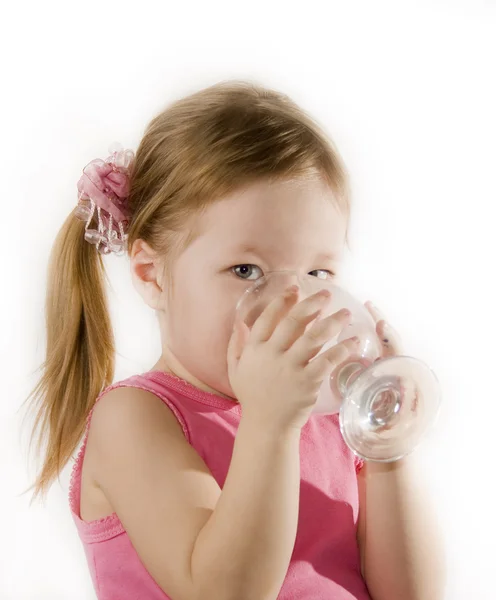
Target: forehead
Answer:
[[273, 217]]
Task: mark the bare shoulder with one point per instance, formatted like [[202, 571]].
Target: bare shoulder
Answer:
[[128, 411], [159, 486]]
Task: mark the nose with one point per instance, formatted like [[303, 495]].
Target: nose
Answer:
[[263, 292], [281, 280]]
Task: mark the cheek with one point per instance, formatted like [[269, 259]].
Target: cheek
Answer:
[[199, 325]]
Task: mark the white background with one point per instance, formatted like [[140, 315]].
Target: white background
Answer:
[[407, 90]]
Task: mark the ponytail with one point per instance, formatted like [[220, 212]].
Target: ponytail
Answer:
[[80, 348]]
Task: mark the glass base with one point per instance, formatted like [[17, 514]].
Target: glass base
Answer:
[[388, 408]]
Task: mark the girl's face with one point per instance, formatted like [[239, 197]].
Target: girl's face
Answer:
[[291, 225]]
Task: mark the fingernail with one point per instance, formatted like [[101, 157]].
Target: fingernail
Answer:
[[324, 294]]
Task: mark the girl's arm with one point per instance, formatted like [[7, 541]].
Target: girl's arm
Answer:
[[244, 549], [398, 534], [194, 539]]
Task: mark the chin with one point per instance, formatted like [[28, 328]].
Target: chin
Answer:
[[212, 376]]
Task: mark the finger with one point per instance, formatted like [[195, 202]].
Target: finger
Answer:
[[320, 333], [293, 325], [374, 311], [388, 336], [266, 323], [323, 365], [237, 342], [390, 339]]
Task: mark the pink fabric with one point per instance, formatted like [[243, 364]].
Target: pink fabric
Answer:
[[107, 183], [325, 563]]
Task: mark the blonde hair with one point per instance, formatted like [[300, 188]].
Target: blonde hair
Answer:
[[198, 150]]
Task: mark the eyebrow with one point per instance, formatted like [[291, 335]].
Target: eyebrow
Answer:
[[327, 256], [251, 249]]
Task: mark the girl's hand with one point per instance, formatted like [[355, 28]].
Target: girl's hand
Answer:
[[270, 367], [388, 336], [391, 344]]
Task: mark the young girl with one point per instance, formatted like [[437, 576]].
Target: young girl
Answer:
[[206, 477]]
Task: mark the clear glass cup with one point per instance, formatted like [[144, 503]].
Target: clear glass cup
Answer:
[[385, 405]]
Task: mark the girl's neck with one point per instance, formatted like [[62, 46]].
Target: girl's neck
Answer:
[[168, 364]]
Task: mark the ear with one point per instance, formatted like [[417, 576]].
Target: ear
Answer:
[[147, 275]]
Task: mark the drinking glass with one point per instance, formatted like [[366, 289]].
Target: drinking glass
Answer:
[[385, 405]]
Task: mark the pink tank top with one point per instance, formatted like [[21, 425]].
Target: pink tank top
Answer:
[[325, 563]]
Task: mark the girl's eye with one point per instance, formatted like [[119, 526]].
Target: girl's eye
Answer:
[[249, 272], [322, 274], [252, 272]]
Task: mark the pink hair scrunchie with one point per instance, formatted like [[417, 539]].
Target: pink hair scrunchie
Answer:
[[104, 187]]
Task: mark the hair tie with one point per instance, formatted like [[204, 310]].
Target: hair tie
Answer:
[[104, 188]]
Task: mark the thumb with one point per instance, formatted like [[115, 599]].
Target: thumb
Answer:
[[238, 340]]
